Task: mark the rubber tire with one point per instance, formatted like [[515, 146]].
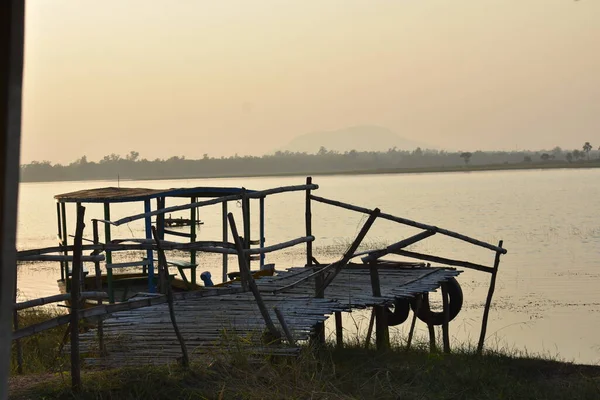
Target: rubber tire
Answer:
[[400, 313], [455, 302]]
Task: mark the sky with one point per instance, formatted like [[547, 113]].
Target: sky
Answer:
[[190, 77]]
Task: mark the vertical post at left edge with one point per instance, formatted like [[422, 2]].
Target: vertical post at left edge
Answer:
[[12, 26]]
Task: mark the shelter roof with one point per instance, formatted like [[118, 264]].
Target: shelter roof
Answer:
[[122, 195]]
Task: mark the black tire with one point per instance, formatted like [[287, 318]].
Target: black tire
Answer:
[[455, 303], [400, 313]]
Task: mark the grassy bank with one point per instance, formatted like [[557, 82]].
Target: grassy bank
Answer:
[[336, 374]]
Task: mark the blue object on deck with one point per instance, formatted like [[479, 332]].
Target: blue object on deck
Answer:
[[205, 276]]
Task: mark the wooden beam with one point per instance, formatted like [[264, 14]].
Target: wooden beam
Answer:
[[445, 261], [352, 249], [410, 223], [245, 270], [12, 26], [204, 203], [397, 246]]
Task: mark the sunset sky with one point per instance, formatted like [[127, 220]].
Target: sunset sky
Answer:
[[188, 77]]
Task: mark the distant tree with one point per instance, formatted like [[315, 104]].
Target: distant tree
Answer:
[[466, 156], [569, 157], [322, 151], [545, 157], [527, 159], [205, 156], [132, 156], [577, 154], [587, 147], [418, 152], [557, 151]]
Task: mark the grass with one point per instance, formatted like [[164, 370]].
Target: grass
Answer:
[[332, 373], [41, 352]]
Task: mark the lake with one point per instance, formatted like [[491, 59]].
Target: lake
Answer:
[[547, 297]]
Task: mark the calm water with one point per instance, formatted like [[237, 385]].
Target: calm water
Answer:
[[547, 297]]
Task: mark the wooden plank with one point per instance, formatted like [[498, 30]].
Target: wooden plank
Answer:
[[129, 264], [180, 234]]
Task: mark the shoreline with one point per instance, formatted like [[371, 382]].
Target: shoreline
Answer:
[[380, 171]]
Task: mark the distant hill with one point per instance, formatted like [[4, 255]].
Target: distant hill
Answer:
[[361, 138]]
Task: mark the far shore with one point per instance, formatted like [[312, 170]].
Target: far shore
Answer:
[[426, 170]]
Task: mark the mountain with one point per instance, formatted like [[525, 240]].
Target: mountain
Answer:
[[360, 138]]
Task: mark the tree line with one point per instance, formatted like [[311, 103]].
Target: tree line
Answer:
[[132, 166]]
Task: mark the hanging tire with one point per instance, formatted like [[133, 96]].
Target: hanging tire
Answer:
[[399, 314], [455, 302]]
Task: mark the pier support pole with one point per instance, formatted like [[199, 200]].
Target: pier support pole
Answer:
[[98, 273], [225, 237], [419, 301], [308, 221], [193, 220], [430, 327], [149, 253], [107, 239], [382, 335], [339, 330], [76, 300], [446, 311], [488, 302]]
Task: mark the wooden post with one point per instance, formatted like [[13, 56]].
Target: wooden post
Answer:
[[382, 337], [149, 252], [98, 273], [419, 300], [430, 327], [284, 326], [16, 327], [308, 220], [12, 23], [59, 236], [163, 269], [76, 300], [225, 237], [193, 221], [262, 229], [109, 277], [370, 329], [446, 311], [339, 332], [246, 223], [244, 269], [65, 241], [488, 302]]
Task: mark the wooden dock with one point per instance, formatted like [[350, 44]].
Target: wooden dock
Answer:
[[146, 335]]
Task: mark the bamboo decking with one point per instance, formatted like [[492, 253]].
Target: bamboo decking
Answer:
[[146, 335]]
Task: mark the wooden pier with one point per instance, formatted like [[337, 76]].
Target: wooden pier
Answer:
[[270, 314], [207, 323]]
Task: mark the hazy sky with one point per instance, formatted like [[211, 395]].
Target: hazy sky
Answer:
[[187, 77]]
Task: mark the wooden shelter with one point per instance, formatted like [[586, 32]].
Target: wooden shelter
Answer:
[[110, 196]]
